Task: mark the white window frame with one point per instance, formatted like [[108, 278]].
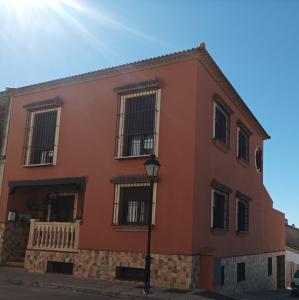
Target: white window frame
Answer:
[[217, 106], [117, 201], [212, 206], [122, 116], [29, 143]]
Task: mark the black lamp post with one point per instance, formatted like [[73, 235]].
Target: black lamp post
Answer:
[[152, 167]]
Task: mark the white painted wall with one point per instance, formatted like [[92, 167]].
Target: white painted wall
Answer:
[[292, 255]]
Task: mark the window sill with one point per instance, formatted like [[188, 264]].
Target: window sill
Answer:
[[132, 157], [131, 227], [220, 145], [219, 231], [38, 165], [244, 163], [241, 233]]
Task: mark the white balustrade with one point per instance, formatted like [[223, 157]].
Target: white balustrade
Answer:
[[54, 236]]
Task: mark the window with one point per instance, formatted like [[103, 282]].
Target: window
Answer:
[[269, 266], [62, 207], [42, 137], [60, 267], [131, 206], [219, 210], [221, 124], [259, 159], [138, 124], [242, 215], [128, 273], [222, 276], [243, 144], [241, 272]]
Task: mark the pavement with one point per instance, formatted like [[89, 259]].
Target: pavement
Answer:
[[16, 282]]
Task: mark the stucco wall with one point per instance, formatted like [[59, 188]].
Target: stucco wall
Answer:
[[86, 148], [214, 162], [187, 154]]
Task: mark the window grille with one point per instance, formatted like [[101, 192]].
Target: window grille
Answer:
[[242, 215], [220, 210], [221, 124], [63, 207], [41, 137], [131, 205], [243, 145], [138, 124]]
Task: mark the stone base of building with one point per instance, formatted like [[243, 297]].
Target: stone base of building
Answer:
[[178, 271], [256, 273]]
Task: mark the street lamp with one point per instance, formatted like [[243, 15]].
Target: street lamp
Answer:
[[152, 167]]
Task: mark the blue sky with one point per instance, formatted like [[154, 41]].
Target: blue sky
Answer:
[[256, 44]]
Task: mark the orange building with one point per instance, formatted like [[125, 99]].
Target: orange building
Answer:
[[74, 170]]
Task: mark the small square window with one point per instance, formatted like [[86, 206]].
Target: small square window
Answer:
[[241, 272], [243, 144], [221, 124]]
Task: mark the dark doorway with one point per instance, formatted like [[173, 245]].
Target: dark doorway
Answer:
[[280, 260]]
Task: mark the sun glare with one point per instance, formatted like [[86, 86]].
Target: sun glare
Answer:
[[31, 19], [25, 8]]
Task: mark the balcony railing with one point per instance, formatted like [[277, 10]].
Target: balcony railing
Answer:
[[54, 236]]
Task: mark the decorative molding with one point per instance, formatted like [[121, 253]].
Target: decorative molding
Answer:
[[242, 196], [241, 125], [211, 66], [44, 104], [219, 186], [139, 86], [200, 53], [110, 72], [218, 99], [126, 179]]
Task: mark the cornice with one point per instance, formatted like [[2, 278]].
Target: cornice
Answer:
[[109, 72], [211, 66], [200, 53]]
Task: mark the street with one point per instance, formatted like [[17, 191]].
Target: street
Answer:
[[18, 292]]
